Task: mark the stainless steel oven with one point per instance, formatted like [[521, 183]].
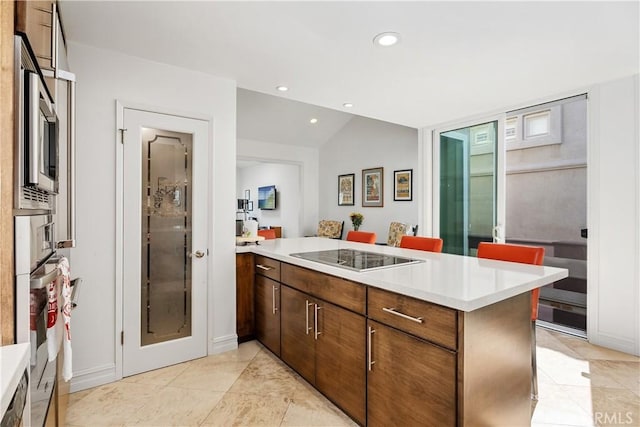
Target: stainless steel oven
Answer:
[[36, 133], [36, 267]]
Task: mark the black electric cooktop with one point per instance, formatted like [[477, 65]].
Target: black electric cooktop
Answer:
[[356, 260]]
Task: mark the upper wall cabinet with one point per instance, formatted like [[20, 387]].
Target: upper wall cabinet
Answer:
[[35, 19], [39, 21]]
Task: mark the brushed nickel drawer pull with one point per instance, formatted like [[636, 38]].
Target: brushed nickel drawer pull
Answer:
[[265, 268], [315, 320], [307, 304], [404, 316], [369, 361], [273, 299]]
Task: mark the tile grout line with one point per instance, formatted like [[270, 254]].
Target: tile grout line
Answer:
[[231, 386]]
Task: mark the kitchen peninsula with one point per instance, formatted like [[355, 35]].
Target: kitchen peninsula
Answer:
[[442, 341]]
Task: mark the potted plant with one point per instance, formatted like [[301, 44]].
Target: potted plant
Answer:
[[356, 220]]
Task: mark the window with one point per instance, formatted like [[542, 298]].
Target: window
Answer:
[[482, 138], [533, 127], [537, 124], [510, 128]]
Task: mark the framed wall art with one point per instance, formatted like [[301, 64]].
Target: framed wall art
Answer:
[[372, 187], [345, 189], [403, 185]]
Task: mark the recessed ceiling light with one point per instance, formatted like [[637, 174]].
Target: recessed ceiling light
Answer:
[[313, 121], [386, 39], [282, 88], [347, 105]]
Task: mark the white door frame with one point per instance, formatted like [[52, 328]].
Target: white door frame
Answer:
[[431, 139], [119, 218]]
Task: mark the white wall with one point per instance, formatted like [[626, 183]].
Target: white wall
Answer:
[[362, 144], [286, 178], [613, 262], [307, 161], [103, 78]]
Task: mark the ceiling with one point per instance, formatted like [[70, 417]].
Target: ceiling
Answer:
[[455, 59], [262, 117]]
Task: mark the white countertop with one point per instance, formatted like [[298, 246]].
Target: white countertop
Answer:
[[459, 282], [14, 359]]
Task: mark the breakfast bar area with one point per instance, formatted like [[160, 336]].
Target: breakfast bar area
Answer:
[[440, 340]]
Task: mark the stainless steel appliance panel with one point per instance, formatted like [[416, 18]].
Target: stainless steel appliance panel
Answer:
[[36, 132], [36, 267]]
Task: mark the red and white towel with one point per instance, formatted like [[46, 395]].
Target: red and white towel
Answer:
[[53, 338], [63, 266], [53, 342]]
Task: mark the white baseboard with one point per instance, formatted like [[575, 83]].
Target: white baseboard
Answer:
[[222, 344], [106, 374], [623, 345], [93, 377]]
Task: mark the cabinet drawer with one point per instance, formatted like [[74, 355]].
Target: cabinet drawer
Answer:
[[268, 267], [420, 318], [341, 292]]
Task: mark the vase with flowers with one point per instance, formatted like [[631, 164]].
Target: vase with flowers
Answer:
[[356, 220]]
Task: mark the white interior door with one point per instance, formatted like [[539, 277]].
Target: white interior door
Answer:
[[164, 240]]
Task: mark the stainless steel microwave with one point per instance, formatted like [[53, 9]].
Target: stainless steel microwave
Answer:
[[37, 136]]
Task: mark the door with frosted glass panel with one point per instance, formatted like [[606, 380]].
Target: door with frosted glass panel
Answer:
[[164, 240]]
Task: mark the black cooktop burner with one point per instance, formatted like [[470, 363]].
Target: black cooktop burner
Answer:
[[354, 259]]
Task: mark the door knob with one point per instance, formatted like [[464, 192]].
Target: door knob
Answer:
[[197, 254]]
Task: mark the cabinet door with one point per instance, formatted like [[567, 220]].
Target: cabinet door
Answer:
[[410, 381], [298, 343], [267, 312], [35, 19], [340, 358], [244, 296]]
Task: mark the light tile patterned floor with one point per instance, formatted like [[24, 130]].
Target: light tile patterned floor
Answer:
[[579, 385]]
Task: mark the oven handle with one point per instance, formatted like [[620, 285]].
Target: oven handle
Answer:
[[75, 290], [33, 117], [42, 281], [70, 241]]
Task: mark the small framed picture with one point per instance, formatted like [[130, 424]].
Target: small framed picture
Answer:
[[345, 189], [372, 187], [403, 185], [250, 205]]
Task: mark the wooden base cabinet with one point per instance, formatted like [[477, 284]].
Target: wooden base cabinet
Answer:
[[244, 297], [409, 381], [432, 365], [297, 333], [325, 344], [387, 359], [267, 302], [267, 311], [340, 359]]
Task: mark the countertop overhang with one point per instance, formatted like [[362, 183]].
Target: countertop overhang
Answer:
[[454, 281], [14, 359]]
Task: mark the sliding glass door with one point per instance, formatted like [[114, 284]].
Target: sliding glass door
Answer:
[[469, 186], [546, 194], [527, 167]]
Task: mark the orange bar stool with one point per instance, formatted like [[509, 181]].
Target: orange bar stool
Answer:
[[430, 244], [526, 255], [361, 236], [268, 233]]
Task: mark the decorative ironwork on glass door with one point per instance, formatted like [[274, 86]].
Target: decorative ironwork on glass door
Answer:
[[166, 236]]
